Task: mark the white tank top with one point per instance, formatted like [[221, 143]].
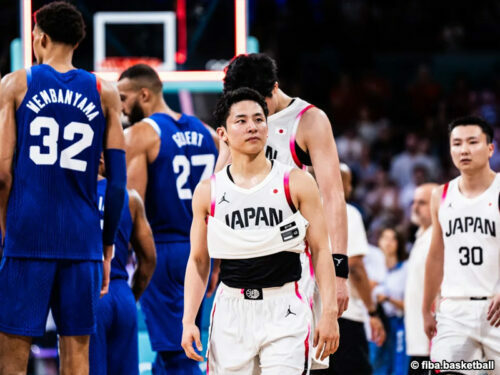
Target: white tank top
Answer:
[[471, 241], [248, 223], [282, 130]]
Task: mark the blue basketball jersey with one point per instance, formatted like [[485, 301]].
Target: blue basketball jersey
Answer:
[[119, 262], [52, 209], [187, 156]]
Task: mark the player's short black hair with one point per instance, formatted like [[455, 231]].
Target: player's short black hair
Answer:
[[62, 22], [473, 120], [256, 70], [229, 98], [144, 75]]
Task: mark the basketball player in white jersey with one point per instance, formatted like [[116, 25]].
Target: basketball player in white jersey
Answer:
[[258, 214], [464, 256], [300, 135]]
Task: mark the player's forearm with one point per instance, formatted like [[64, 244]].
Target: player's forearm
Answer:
[[5, 187], [142, 275], [325, 277], [433, 279], [140, 280], [359, 280], [195, 284], [336, 221]]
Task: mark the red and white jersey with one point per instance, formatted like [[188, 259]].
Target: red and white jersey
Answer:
[[282, 130], [471, 239]]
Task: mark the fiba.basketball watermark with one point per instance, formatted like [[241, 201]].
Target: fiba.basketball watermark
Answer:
[[453, 366]]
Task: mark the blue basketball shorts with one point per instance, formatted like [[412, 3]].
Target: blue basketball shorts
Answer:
[[30, 287], [114, 347]]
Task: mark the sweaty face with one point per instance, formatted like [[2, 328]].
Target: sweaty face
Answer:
[[129, 97], [469, 148], [246, 127]]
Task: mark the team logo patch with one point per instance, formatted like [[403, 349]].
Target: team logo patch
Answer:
[[275, 191], [280, 131], [253, 294]]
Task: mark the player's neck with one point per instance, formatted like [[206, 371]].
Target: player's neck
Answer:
[[283, 101], [473, 183], [60, 60], [249, 170], [160, 106]]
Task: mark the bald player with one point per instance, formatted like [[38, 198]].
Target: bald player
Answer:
[[168, 153], [464, 256], [417, 343]]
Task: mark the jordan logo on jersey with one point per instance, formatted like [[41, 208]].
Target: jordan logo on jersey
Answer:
[[289, 231], [223, 199], [471, 224]]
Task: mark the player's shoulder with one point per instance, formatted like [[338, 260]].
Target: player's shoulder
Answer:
[[315, 118], [14, 82], [142, 130], [301, 178], [202, 193]]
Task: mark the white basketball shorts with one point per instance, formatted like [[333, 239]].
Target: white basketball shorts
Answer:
[[463, 333], [259, 331]]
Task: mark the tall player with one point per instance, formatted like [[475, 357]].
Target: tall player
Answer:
[[168, 153], [258, 212], [54, 121], [300, 135], [464, 256], [114, 346]]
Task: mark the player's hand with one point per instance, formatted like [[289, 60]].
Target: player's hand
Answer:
[[190, 334], [429, 324], [378, 331], [494, 311], [342, 295], [326, 336], [106, 271]]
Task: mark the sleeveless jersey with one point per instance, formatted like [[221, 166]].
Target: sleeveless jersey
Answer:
[[283, 126], [263, 206], [471, 241], [187, 156], [119, 262], [52, 209]]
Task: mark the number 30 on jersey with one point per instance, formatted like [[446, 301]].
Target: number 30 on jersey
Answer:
[[67, 159]]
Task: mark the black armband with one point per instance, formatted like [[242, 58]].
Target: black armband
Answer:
[[341, 265]]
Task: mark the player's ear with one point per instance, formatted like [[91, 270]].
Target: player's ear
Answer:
[[145, 95], [44, 40], [222, 133], [491, 149], [275, 88]]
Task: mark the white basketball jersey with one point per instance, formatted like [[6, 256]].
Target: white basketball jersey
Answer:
[[471, 241], [282, 129], [264, 206]]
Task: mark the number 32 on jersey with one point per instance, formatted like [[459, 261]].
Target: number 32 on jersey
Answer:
[[49, 156]]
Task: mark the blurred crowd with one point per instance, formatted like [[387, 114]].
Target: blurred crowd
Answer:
[[392, 151]]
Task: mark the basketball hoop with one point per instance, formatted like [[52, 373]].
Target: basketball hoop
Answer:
[[119, 64]]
